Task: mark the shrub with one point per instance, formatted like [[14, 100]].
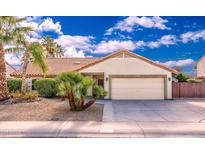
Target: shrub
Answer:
[[46, 87], [99, 92], [28, 96], [182, 77], [15, 95], [76, 87], [194, 80], [14, 85], [62, 91]]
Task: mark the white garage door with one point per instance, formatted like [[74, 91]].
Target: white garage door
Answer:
[[137, 88]]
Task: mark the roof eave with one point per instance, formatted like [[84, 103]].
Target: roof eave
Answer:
[[132, 54]]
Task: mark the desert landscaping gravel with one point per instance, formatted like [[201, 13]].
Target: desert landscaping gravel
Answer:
[[48, 110]]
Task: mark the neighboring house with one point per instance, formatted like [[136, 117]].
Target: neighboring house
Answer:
[[200, 68], [123, 74], [9, 69]]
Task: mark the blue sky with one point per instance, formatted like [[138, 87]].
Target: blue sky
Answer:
[[172, 41]]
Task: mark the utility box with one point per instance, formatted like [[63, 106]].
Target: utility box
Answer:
[[29, 84]]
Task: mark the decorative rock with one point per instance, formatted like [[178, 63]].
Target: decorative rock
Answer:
[[56, 118], [15, 101]]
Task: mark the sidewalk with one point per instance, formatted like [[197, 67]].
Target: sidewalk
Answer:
[[101, 129]]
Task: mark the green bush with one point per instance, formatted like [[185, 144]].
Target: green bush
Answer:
[[182, 77], [46, 87], [99, 92], [192, 80], [14, 85]]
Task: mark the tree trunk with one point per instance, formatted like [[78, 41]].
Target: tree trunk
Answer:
[[24, 68], [80, 104], [88, 104], [71, 101], [4, 94]]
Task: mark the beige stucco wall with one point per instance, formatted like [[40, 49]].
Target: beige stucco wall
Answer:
[[201, 67], [128, 66]]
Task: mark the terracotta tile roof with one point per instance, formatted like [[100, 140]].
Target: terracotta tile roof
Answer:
[[59, 65], [56, 66]]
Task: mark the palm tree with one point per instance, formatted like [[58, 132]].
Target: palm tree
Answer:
[[31, 52], [49, 45], [3, 84], [59, 51], [52, 48], [34, 53], [8, 31], [76, 86]]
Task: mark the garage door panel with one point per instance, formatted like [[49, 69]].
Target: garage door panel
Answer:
[[137, 88]]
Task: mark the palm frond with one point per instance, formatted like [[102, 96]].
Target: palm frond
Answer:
[[6, 38], [23, 30], [19, 20], [38, 57], [10, 30], [14, 49]]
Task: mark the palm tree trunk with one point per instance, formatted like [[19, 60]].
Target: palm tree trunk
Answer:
[[71, 101], [80, 104], [24, 68], [88, 104], [4, 94]]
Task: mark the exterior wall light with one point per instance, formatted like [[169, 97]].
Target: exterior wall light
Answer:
[[106, 79], [169, 78]]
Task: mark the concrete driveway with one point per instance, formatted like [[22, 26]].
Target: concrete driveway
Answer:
[[188, 110]]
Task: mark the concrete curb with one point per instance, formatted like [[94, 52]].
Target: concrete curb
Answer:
[[101, 129]]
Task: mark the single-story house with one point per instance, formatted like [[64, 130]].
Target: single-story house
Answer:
[[9, 69], [123, 74], [200, 68]]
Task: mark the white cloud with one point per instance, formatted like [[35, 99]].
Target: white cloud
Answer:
[[168, 39], [33, 39], [34, 24], [78, 42], [130, 23], [75, 46], [13, 59], [72, 52], [153, 44], [40, 25], [164, 40], [114, 45], [179, 63], [192, 36], [49, 25], [140, 44]]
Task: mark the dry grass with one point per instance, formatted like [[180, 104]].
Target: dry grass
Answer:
[[48, 109]]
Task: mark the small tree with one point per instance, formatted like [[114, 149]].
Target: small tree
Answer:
[[76, 86], [32, 53], [182, 77], [52, 48]]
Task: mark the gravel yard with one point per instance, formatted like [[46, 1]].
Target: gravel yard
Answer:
[[48, 110]]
